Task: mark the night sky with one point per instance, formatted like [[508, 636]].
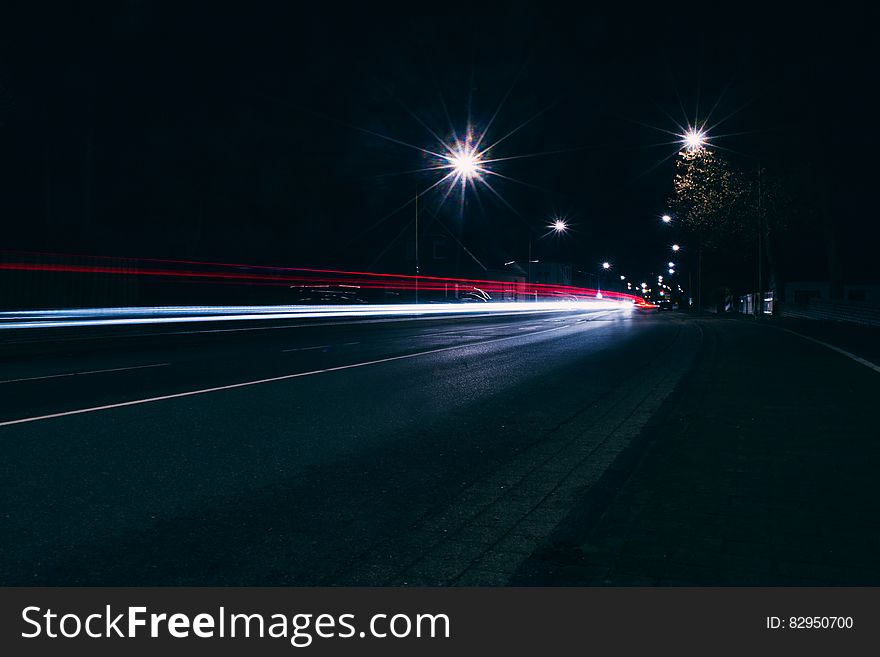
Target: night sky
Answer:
[[243, 134]]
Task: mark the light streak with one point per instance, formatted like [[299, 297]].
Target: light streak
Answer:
[[309, 279], [88, 317]]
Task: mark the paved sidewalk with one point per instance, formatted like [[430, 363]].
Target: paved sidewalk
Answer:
[[763, 470]]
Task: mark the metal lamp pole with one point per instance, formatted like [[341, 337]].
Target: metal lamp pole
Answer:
[[417, 247]]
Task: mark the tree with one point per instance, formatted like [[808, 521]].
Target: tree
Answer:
[[709, 198], [708, 201], [741, 213]]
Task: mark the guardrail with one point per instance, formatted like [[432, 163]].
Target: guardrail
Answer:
[[835, 311]]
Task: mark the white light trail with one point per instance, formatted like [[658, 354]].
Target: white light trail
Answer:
[[68, 318]]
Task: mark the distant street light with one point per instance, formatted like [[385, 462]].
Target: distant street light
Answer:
[[606, 265], [666, 218], [671, 264], [622, 277], [676, 247], [671, 271]]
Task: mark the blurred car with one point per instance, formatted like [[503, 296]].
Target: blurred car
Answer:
[[664, 304]]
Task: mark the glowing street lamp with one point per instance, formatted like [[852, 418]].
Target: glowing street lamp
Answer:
[[666, 218], [605, 265], [676, 247], [694, 139], [465, 164], [558, 226], [671, 264], [671, 270]]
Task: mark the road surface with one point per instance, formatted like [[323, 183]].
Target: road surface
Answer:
[[410, 451], [315, 454]]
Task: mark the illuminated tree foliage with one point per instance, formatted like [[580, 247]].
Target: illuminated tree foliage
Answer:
[[734, 211], [711, 199]]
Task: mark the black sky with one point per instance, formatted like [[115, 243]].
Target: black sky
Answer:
[[238, 133]]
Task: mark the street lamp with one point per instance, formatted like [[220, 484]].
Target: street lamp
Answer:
[[666, 218], [465, 164], [558, 227], [605, 265], [694, 139], [676, 247]]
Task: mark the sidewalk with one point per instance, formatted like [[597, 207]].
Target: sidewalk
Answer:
[[762, 470]]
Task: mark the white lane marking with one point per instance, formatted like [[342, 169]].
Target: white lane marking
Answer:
[[56, 376], [273, 379], [843, 352]]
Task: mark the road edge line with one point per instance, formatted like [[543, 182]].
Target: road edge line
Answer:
[[843, 352]]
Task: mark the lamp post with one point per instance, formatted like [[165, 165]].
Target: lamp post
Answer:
[[695, 139], [759, 301], [529, 263], [417, 247], [605, 265], [558, 227]]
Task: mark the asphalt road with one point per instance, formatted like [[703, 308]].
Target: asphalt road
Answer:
[[320, 475], [587, 446]]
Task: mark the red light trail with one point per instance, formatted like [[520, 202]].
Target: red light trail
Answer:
[[300, 277]]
